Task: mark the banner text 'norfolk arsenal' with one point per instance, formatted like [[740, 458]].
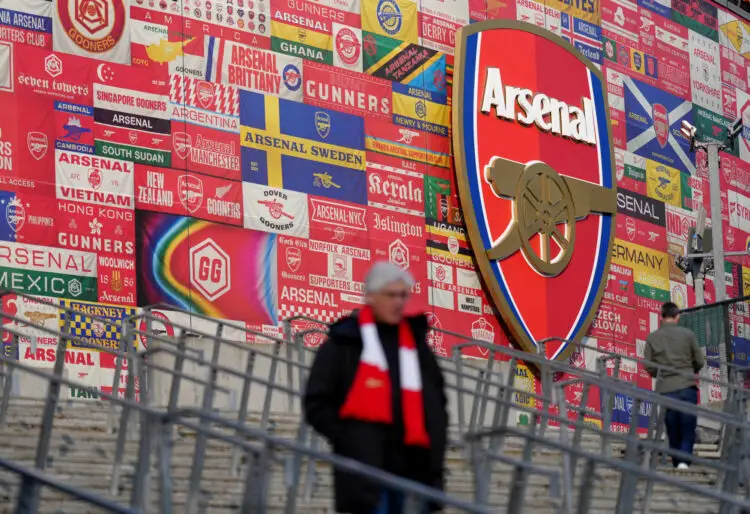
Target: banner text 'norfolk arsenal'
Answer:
[[540, 205]]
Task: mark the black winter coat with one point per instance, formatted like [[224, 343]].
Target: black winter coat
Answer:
[[329, 382]]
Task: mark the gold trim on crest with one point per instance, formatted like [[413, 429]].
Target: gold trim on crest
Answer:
[[542, 198]]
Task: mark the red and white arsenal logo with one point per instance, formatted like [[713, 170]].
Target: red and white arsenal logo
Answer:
[[95, 177], [661, 124], [293, 258], [536, 178], [190, 191], [181, 143], [348, 46], [38, 144], [630, 226], [206, 94]]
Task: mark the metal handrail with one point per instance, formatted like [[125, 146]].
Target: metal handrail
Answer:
[[490, 393]]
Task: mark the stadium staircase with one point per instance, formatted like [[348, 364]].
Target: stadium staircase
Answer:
[[195, 379], [82, 452]]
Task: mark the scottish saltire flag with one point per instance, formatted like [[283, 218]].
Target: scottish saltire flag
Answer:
[[654, 118]]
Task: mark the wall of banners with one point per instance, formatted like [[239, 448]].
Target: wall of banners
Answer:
[[249, 160]]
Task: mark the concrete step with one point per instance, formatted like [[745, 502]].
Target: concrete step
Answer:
[[81, 454]]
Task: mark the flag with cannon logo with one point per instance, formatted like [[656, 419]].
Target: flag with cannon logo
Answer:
[[302, 148], [654, 118]]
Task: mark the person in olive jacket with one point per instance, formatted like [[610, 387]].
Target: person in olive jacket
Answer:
[[376, 392], [676, 347]]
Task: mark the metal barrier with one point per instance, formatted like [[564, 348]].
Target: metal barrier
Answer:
[[721, 329], [230, 376]]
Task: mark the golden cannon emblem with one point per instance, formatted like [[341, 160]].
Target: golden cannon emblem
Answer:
[[544, 203]]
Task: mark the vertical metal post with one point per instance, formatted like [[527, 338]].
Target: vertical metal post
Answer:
[[712, 149], [242, 416], [700, 295], [29, 487], [8, 384], [199, 455], [142, 473]]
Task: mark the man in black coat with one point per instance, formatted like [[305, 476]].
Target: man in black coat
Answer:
[[376, 392]]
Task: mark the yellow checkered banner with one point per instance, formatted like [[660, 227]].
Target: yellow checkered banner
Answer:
[[105, 331]]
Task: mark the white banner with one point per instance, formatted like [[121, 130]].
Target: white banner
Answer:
[[347, 47], [6, 67], [94, 180], [705, 72], [95, 29], [270, 209], [452, 10], [739, 210], [253, 69], [139, 103]]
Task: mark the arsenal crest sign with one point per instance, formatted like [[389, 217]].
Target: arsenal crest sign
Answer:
[[536, 177]]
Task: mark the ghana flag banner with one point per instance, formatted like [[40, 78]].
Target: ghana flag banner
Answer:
[[303, 148]]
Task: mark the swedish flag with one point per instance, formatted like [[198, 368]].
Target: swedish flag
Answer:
[[303, 148]]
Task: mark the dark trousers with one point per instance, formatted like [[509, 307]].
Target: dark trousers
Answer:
[[681, 425], [392, 502]]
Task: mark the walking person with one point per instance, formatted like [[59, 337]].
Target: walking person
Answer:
[[376, 392], [677, 347]]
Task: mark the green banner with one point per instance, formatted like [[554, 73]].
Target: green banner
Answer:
[[713, 127], [695, 25], [42, 283], [311, 53], [135, 154], [434, 187], [85, 393], [645, 291], [635, 173]]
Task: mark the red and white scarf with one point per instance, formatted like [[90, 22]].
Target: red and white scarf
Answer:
[[369, 398]]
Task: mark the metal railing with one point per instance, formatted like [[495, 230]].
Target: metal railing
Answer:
[[232, 382]]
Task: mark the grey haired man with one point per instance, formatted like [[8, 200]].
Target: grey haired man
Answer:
[[376, 392]]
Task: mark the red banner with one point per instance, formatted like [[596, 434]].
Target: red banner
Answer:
[[620, 289], [205, 127], [668, 42], [413, 149], [438, 33], [313, 15], [101, 229], [318, 279], [26, 148], [641, 233], [338, 222], [394, 188], [56, 75], [188, 194], [733, 68], [117, 279], [613, 321], [346, 91]]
